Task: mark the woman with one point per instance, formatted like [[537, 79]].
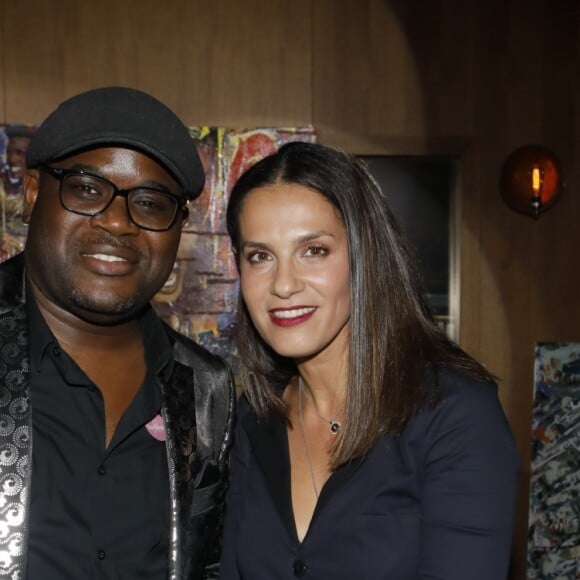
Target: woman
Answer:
[[368, 445]]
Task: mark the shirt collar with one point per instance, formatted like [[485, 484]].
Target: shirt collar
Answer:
[[158, 346], [40, 336]]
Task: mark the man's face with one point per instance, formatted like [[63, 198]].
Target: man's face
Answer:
[[15, 155], [104, 268]]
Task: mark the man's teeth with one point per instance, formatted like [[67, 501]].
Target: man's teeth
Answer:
[[108, 258], [293, 313]]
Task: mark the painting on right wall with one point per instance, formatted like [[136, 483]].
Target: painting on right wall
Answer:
[[554, 517]]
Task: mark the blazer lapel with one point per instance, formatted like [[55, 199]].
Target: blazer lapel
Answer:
[[15, 443], [336, 482], [181, 435], [270, 447], [269, 443]]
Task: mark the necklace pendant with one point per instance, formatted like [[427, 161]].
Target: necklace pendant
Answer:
[[334, 427]]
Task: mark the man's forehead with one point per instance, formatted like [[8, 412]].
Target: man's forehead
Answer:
[[123, 163]]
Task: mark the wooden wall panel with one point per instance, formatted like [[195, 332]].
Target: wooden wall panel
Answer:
[[388, 102], [219, 63], [33, 57], [557, 276], [458, 69], [260, 67], [340, 67]]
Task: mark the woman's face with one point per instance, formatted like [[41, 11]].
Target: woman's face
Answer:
[[294, 270]]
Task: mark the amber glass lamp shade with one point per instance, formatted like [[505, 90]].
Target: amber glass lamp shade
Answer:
[[531, 180]]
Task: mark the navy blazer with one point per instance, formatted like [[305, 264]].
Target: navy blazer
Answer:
[[436, 503]]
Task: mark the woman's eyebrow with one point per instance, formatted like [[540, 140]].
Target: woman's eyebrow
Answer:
[[300, 240], [252, 244], [312, 236]]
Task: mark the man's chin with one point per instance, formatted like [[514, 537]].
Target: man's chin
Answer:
[[104, 311]]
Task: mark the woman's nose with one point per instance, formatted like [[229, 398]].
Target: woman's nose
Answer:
[[286, 281]]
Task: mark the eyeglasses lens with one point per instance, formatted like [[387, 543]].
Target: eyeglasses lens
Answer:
[[90, 195]]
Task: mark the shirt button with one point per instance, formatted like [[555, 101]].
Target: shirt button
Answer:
[[299, 568], [102, 470], [56, 351], [101, 554]]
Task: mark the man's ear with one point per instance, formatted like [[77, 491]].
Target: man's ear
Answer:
[[31, 185]]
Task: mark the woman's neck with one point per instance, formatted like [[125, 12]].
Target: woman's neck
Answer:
[[323, 386]]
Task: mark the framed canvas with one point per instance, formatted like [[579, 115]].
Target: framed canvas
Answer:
[[554, 513]]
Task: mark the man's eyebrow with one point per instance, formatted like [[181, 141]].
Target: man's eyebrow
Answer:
[[96, 172]]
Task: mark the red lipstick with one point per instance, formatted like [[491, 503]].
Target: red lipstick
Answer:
[[286, 317]]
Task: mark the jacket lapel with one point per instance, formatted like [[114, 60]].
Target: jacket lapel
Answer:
[[269, 443], [179, 416], [15, 442], [198, 410]]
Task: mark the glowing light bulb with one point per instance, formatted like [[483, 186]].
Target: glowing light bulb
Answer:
[[536, 184]]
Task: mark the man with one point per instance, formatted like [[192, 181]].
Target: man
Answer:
[[114, 430]]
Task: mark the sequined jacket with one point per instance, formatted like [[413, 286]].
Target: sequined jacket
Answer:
[[197, 410]]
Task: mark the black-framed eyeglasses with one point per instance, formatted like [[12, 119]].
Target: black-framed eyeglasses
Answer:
[[86, 194]]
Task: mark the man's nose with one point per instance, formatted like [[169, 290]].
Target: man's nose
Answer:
[[115, 218]]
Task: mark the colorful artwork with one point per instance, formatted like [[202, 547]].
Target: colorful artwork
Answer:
[[200, 297], [14, 141], [554, 519]]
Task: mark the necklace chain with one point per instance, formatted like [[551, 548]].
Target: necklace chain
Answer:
[[333, 425], [310, 465]]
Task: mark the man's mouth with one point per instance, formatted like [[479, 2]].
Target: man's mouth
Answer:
[[106, 257]]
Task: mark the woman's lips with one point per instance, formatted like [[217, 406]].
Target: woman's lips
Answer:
[[285, 317]]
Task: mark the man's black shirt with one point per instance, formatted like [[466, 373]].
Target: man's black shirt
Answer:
[[96, 512]]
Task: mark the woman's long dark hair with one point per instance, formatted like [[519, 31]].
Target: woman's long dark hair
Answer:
[[394, 341]]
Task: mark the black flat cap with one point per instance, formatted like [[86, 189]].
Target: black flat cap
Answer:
[[125, 117]]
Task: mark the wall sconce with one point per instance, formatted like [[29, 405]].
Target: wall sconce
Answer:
[[531, 180]]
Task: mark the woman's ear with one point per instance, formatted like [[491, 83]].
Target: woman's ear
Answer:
[[31, 186]]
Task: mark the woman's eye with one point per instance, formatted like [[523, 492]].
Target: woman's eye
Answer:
[[257, 257], [316, 251]]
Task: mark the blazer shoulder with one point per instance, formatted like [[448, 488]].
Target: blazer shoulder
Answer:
[[467, 411], [213, 378], [455, 386], [188, 352]]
